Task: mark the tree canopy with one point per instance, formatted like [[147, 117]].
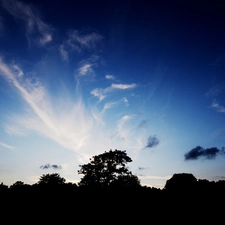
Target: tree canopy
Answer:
[[108, 170], [51, 179]]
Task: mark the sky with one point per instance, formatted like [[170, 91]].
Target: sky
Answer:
[[78, 78]]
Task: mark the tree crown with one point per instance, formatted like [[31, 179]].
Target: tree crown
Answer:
[[105, 169]]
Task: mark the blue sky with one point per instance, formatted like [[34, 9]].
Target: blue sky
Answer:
[[78, 78]]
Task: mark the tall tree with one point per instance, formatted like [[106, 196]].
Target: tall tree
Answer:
[[108, 169]]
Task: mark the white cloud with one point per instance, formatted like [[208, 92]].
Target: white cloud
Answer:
[[69, 128], [34, 25], [68, 121], [99, 93], [123, 86], [218, 107], [110, 77], [7, 146], [45, 39], [85, 69], [102, 93]]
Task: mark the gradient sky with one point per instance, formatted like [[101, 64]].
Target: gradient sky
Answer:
[[78, 78]]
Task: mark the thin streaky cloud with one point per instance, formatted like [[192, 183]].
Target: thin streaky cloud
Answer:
[[70, 130], [68, 121], [109, 105], [64, 53], [7, 146], [123, 86], [124, 131], [33, 94], [112, 104], [33, 22], [216, 90], [156, 79], [78, 40], [102, 93]]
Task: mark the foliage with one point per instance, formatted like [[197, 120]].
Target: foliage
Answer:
[[181, 182], [108, 170], [51, 179]]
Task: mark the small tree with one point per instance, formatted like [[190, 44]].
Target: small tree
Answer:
[[108, 170]]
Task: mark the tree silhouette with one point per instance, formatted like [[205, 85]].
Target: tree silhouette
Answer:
[[3, 187], [51, 179], [181, 182], [108, 170], [17, 184]]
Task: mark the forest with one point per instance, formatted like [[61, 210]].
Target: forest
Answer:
[[108, 186]]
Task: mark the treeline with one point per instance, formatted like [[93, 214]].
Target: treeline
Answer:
[[109, 188], [179, 182], [56, 201]]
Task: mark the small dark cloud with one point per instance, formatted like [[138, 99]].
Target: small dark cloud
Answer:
[[143, 123], [152, 141], [141, 168], [48, 166], [208, 153]]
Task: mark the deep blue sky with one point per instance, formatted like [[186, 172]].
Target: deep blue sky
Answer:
[[78, 78]]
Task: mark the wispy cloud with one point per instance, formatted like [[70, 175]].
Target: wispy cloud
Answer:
[[99, 93], [102, 93], [36, 30], [85, 69], [123, 86], [78, 41], [7, 146], [110, 77], [67, 120], [68, 128], [217, 107], [64, 53], [125, 132], [215, 90], [156, 79]]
